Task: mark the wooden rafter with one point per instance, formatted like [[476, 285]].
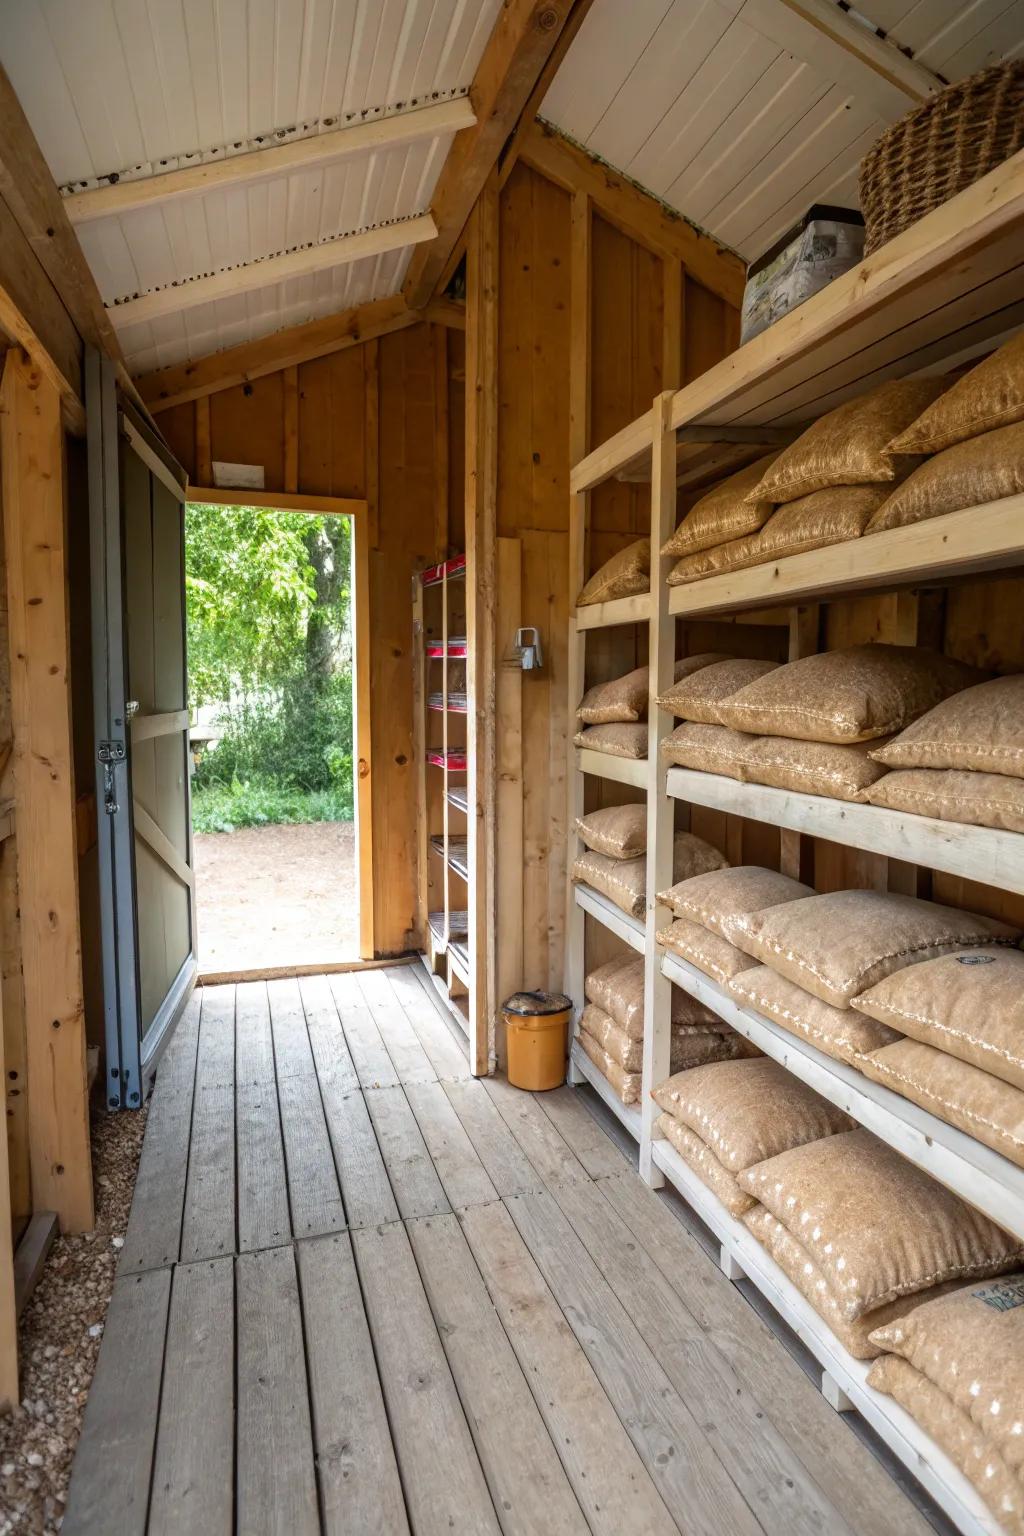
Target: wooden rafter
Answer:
[[275, 269], [642, 217], [528, 116], [523, 39], [255, 165], [877, 62], [30, 192], [167, 387]]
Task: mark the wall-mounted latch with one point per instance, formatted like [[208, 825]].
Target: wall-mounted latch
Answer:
[[527, 648], [110, 753]]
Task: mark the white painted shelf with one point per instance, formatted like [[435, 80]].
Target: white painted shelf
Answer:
[[980, 1176], [629, 1116], [602, 765], [630, 929], [619, 610], [976, 853], [843, 1375], [982, 538]]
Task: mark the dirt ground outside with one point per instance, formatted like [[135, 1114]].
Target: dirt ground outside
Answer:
[[271, 896]]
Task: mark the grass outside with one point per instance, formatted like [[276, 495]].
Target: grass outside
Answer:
[[259, 802]]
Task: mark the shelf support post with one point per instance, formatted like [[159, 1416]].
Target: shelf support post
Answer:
[[579, 511], [660, 809]]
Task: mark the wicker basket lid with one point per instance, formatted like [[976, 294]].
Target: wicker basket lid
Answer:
[[535, 1004]]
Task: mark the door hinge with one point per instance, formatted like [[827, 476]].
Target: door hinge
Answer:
[[110, 753]]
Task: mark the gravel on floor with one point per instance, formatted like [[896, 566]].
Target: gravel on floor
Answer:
[[59, 1339]]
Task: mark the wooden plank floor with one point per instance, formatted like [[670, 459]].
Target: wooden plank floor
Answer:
[[362, 1292]]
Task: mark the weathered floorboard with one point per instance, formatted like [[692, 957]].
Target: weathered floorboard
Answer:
[[196, 1434], [326, 1036], [531, 1493], [373, 1065], [276, 1477], [110, 1482], [360, 1488], [458, 1167], [441, 1474], [447, 1057], [313, 1191], [508, 1167], [263, 1219], [410, 1059], [417, 1187]]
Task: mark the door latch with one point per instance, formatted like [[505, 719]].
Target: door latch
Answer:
[[110, 753]]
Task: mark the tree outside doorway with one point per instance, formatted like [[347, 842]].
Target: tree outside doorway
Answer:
[[269, 606]]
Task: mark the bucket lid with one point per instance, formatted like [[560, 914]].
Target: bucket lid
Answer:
[[532, 1004]]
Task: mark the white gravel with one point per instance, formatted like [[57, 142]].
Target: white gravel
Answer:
[[59, 1339]]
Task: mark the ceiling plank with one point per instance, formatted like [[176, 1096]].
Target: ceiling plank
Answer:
[[821, 34], [274, 269], [30, 192], [635, 211], [361, 138], [167, 387], [523, 39]]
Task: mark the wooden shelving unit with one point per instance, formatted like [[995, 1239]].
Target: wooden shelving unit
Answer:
[[442, 705], [948, 289]]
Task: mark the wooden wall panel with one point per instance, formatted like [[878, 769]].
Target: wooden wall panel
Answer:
[[407, 465], [247, 427], [332, 425], [626, 348]]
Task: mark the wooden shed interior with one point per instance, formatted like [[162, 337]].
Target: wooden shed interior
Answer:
[[473, 276]]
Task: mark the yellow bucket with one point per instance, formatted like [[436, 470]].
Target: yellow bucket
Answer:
[[535, 1024]]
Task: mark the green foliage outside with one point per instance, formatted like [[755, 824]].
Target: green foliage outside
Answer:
[[268, 601]]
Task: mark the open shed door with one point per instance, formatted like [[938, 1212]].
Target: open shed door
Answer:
[[147, 883]]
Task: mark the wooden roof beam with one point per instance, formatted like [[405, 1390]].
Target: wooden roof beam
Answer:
[[523, 39], [167, 387], [274, 269], [635, 211], [319, 149]]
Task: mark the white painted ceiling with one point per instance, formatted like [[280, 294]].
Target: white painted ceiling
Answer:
[[119, 85], [735, 112], [738, 113]]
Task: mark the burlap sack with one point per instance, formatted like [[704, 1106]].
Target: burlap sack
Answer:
[[876, 1226], [625, 698], [621, 740], [974, 1101], [618, 989], [957, 1436], [713, 899], [687, 1047], [969, 1004], [800, 1269], [708, 748], [698, 697], [985, 468], [851, 695], [842, 1033], [970, 1345], [716, 957], [700, 1159], [850, 445], [838, 945], [991, 395], [826, 517], [624, 574], [622, 699], [723, 513], [949, 794], [811, 767], [748, 1110], [625, 1084], [624, 881], [981, 728], [619, 831]]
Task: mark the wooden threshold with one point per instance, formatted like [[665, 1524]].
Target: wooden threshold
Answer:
[[279, 972]]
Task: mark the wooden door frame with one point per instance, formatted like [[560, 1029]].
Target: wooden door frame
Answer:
[[358, 509]]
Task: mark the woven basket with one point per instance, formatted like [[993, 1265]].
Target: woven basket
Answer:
[[939, 149]]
